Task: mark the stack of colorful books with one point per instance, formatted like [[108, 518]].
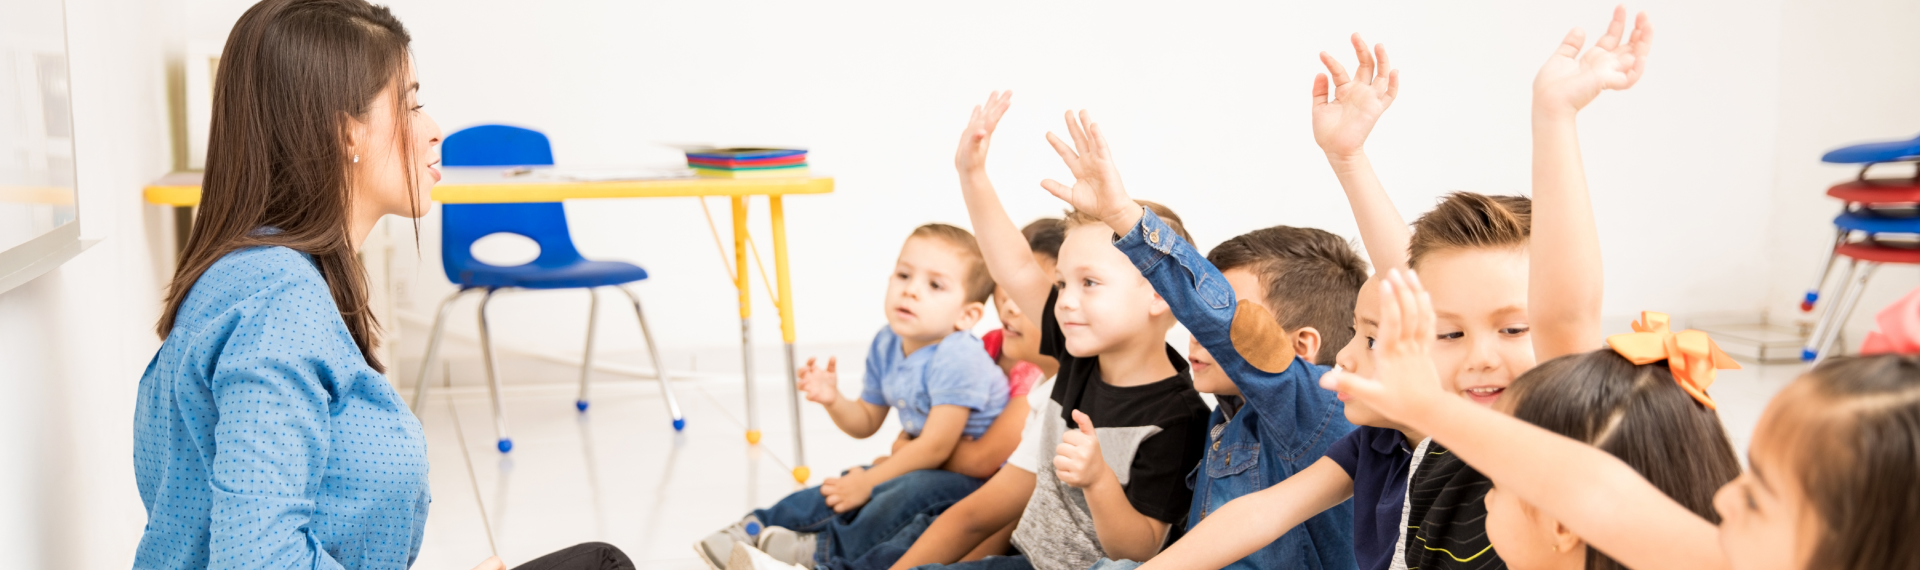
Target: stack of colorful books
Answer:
[[748, 163]]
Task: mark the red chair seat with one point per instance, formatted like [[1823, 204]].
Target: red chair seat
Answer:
[[1878, 191], [1880, 254]]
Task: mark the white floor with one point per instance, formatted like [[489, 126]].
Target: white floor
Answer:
[[620, 474]]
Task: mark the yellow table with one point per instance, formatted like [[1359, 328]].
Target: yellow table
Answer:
[[481, 185]]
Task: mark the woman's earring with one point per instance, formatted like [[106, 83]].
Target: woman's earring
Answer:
[[356, 158]]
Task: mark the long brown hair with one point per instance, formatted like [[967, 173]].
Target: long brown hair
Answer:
[[292, 75], [1854, 439], [1638, 414]]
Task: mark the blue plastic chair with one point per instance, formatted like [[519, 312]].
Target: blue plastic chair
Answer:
[[559, 265], [1868, 153]]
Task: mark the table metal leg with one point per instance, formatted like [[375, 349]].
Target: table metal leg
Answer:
[[785, 303], [746, 314], [182, 229]]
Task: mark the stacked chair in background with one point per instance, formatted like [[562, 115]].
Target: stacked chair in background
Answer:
[[1879, 224]]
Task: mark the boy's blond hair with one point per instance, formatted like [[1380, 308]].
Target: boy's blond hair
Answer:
[[978, 282]]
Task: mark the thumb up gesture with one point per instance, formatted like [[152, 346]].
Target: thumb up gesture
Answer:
[[1077, 460]]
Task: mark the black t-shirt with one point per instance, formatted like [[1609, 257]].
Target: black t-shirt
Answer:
[[1157, 483], [1447, 513]]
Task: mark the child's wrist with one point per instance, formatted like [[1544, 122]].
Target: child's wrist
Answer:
[[1346, 160]]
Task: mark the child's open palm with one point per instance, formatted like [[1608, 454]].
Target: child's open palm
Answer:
[[1096, 186], [1341, 125], [972, 155], [1570, 80], [1403, 365], [822, 386]]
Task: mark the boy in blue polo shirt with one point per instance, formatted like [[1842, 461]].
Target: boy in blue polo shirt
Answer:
[[926, 365]]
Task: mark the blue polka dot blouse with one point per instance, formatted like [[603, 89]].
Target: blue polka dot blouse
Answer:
[[263, 440]]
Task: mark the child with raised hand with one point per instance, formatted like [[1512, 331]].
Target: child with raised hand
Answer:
[[1272, 423], [1831, 464], [926, 365], [1084, 492], [1480, 356]]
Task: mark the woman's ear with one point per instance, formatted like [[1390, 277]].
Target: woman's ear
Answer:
[[1306, 342], [970, 315], [356, 137]]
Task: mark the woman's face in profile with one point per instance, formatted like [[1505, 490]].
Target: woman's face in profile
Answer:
[[390, 154]]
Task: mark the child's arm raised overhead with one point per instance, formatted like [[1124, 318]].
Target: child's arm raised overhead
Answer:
[[1341, 126], [1564, 274], [1009, 257], [1598, 497]]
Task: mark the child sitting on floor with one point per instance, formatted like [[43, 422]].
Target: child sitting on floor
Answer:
[[927, 365]]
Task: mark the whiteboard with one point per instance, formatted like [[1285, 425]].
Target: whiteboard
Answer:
[[39, 217]]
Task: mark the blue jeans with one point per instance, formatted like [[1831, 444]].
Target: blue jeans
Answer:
[[893, 506]]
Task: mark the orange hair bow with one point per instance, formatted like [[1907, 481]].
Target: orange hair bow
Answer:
[[1691, 355]]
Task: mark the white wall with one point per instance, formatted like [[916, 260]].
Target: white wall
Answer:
[[1847, 74], [74, 342], [1207, 105]]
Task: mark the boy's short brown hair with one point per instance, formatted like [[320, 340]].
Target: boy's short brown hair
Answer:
[[1312, 279], [978, 282], [1465, 220], [1076, 218]]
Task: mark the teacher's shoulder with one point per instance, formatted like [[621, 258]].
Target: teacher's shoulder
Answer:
[[251, 278]]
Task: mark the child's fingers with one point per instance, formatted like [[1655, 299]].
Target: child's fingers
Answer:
[[1409, 309], [1389, 309], [1425, 312], [1099, 140], [1335, 71], [1058, 190], [1615, 28], [1393, 85], [1086, 423], [1570, 45], [1319, 89], [832, 361], [1380, 54], [1364, 71], [1066, 153], [1073, 130]]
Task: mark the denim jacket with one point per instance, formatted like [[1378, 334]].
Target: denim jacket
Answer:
[[1285, 424]]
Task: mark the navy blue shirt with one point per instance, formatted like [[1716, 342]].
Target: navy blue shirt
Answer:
[[1377, 460]]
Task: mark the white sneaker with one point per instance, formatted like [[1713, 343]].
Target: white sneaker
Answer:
[[787, 546], [744, 556], [717, 548]]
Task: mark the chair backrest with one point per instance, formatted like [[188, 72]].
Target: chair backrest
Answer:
[[462, 224]]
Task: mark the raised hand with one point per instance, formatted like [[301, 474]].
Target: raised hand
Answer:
[[972, 155], [1096, 186], [1077, 460], [1570, 80], [1405, 378], [847, 492], [1341, 125], [822, 386]]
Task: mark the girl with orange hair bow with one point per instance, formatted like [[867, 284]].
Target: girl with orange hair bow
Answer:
[[1620, 449]]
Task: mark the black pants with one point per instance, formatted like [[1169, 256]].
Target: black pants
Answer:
[[583, 556]]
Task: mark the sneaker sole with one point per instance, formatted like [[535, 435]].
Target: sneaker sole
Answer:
[[707, 557]]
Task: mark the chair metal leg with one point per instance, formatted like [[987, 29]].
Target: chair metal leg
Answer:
[[433, 350], [1848, 301], [659, 365], [586, 360], [1824, 324], [1826, 269], [493, 378]]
